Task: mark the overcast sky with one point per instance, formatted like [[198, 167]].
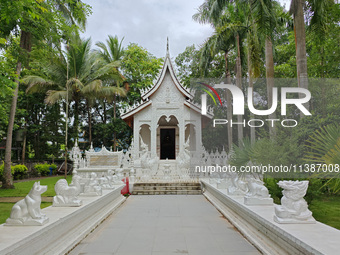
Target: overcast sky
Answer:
[[148, 23]]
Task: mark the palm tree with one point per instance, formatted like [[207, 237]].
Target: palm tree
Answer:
[[296, 9], [229, 32], [254, 63], [263, 14], [112, 52], [73, 75], [319, 10]]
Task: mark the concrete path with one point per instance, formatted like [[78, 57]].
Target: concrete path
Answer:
[[168, 224]]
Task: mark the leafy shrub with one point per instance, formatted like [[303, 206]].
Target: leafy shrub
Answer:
[[54, 167], [44, 169], [19, 171]]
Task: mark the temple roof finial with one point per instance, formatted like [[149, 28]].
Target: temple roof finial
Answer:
[[167, 46]]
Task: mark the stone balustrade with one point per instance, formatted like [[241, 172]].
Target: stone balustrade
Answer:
[[67, 226], [257, 224]]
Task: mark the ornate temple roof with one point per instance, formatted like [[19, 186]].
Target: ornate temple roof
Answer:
[[147, 93]]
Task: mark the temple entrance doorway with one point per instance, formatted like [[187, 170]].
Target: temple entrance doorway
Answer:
[[168, 143]]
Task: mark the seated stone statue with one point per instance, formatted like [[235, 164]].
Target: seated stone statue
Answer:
[[27, 211], [257, 193], [293, 208], [105, 180], [92, 188], [223, 182], [237, 187], [116, 178], [67, 195]]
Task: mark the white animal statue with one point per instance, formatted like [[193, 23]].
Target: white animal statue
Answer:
[[238, 187], [293, 208], [114, 178], [105, 181], [256, 187], [67, 195], [184, 160], [93, 188], [257, 194], [27, 211], [223, 181], [145, 161]]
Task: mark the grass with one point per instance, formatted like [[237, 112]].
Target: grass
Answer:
[[5, 210], [326, 209], [22, 188]]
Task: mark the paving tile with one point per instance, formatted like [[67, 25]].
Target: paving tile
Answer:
[[163, 224]]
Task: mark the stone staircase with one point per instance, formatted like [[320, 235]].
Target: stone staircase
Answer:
[[170, 188]]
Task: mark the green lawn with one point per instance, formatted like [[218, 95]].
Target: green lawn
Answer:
[[22, 188], [326, 209]]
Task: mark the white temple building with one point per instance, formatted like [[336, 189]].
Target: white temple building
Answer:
[[166, 123]]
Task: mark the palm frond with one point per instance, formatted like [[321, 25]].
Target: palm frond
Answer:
[[93, 87], [325, 145], [36, 83], [54, 96]]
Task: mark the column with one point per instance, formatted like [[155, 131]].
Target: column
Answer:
[[153, 137], [136, 128]]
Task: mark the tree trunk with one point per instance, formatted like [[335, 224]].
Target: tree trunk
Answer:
[[323, 85], [229, 103], [23, 154], [104, 109], [25, 44], [252, 128], [7, 175], [114, 118], [76, 119], [300, 46], [270, 80], [90, 122], [239, 85]]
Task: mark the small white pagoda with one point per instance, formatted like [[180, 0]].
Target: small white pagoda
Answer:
[[166, 124]]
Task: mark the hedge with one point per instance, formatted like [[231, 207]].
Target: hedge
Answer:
[[18, 171], [44, 169]]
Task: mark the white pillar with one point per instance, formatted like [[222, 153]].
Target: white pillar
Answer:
[[181, 131], [136, 128], [153, 138]]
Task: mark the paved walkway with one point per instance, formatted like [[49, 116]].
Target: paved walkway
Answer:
[[168, 224]]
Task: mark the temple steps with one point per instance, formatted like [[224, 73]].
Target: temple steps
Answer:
[[181, 188]]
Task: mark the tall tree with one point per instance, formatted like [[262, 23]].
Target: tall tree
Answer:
[[140, 68], [34, 20], [296, 8], [73, 75], [317, 10], [228, 20], [264, 15], [112, 52]]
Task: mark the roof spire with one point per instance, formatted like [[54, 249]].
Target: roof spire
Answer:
[[167, 46]]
